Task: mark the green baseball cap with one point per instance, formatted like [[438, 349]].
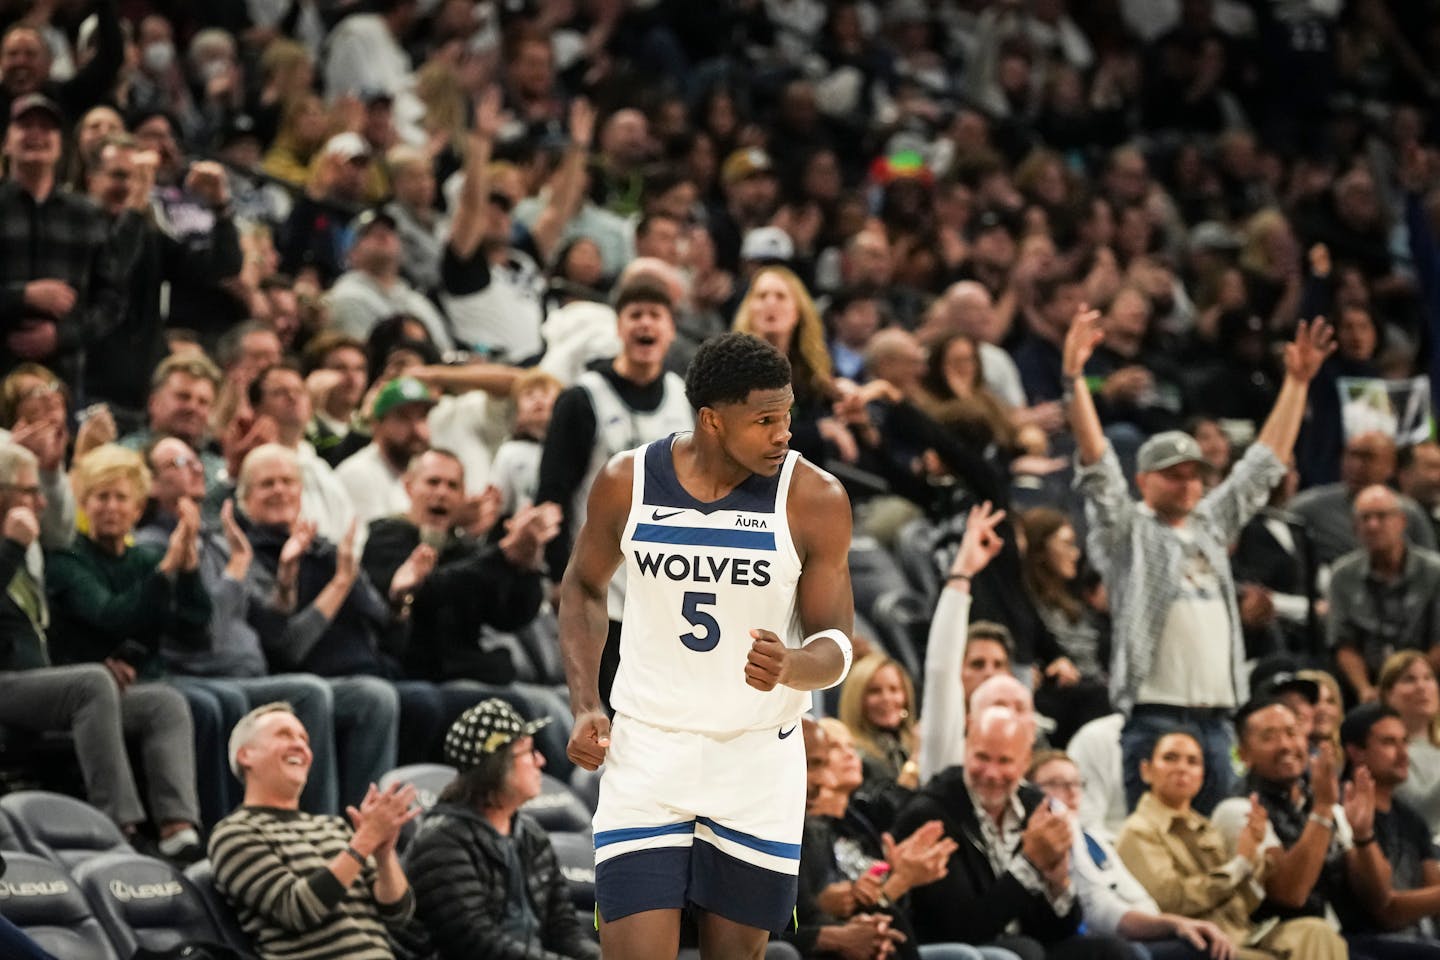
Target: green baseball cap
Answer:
[[397, 393]]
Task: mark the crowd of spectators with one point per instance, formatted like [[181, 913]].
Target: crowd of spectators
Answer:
[[1117, 320]]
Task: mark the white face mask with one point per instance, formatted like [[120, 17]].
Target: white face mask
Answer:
[[158, 56]]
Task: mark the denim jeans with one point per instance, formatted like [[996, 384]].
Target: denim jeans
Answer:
[[367, 724], [1147, 723]]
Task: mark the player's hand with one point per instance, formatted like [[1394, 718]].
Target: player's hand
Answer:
[[765, 664], [589, 739]]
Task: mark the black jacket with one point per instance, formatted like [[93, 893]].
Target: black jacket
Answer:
[[472, 585], [988, 903], [457, 871]]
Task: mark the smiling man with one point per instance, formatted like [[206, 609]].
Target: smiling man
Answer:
[[1178, 647], [291, 877], [615, 406]]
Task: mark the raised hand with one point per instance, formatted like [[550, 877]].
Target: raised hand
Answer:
[[981, 543], [1360, 802], [410, 574], [347, 559], [21, 526], [96, 429], [1314, 342], [1081, 340], [582, 122], [381, 815], [1256, 823], [490, 117], [1325, 777], [241, 553]]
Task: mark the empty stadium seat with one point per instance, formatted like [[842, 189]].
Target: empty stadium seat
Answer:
[[903, 619], [145, 903], [557, 808], [39, 897], [585, 784], [915, 551], [60, 828], [202, 876], [8, 839], [576, 853]]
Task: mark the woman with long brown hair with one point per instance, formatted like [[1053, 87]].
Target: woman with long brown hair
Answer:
[[957, 398], [1407, 683]]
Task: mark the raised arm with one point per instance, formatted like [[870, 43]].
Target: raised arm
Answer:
[[584, 619], [468, 226], [1313, 342], [1080, 342], [567, 192]]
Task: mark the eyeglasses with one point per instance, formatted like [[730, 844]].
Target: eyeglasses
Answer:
[[183, 461], [1059, 785], [22, 490]]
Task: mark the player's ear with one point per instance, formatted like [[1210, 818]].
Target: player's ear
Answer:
[[707, 418]]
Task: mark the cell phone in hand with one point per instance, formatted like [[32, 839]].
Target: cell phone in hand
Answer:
[[879, 870]]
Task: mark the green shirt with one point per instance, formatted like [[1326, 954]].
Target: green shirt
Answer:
[[102, 605]]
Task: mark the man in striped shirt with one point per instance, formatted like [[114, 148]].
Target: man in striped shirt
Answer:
[[308, 887]]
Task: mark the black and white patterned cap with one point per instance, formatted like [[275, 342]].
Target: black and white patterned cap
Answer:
[[483, 729]]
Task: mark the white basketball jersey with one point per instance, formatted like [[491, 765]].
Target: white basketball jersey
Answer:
[[700, 577]]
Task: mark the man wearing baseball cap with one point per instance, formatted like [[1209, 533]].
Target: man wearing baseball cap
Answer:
[[485, 871], [1178, 649], [374, 475], [59, 287]]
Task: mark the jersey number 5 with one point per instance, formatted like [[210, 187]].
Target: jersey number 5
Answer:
[[706, 635]]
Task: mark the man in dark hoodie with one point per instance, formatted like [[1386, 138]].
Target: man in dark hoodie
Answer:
[[1011, 865], [486, 877]]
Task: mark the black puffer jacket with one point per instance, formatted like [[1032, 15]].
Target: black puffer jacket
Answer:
[[458, 874]]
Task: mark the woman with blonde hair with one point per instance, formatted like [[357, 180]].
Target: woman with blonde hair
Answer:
[[779, 310], [877, 704], [1407, 683], [1270, 262], [1329, 711]]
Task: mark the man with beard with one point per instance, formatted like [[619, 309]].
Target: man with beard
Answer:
[[615, 406], [375, 475], [448, 583], [1397, 879]]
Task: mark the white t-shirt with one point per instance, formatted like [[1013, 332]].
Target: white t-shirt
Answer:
[[376, 488], [1192, 658]]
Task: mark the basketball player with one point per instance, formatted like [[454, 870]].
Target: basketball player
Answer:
[[738, 604]]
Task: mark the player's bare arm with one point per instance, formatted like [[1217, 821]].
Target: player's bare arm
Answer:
[[583, 616], [819, 515]]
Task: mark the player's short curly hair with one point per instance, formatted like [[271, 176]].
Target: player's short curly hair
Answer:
[[726, 368]]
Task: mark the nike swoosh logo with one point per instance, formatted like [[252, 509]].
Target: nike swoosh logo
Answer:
[[786, 733], [657, 515]]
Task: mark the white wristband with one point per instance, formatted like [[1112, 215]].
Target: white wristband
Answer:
[[846, 651]]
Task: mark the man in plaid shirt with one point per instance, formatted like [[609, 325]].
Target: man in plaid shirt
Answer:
[[1178, 651], [57, 291]]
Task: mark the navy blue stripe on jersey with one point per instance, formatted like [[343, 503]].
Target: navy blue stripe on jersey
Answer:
[[740, 891], [657, 879], [754, 494], [704, 537], [790, 851], [606, 837]]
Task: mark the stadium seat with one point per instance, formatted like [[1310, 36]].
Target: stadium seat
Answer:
[[145, 903], [576, 853], [915, 551], [585, 784], [903, 619], [558, 808], [429, 779], [873, 572], [202, 877], [60, 828], [8, 840], [42, 899], [540, 639]]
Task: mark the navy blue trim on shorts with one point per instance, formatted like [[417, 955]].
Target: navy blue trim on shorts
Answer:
[[654, 879], [790, 851], [741, 892], [620, 835]]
